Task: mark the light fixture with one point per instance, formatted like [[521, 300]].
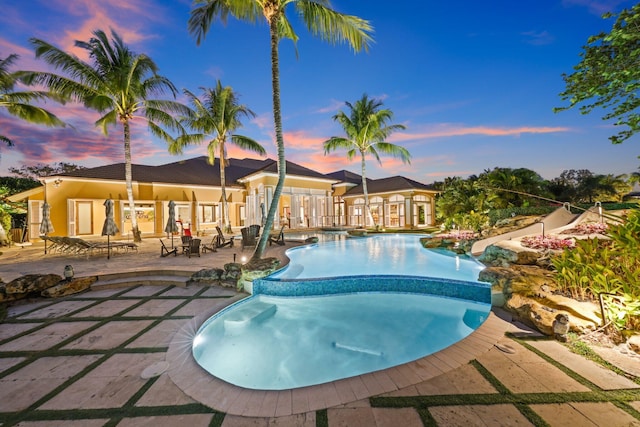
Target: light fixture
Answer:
[[57, 182], [243, 259], [68, 272]]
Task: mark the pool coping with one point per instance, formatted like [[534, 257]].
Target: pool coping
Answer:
[[219, 395]]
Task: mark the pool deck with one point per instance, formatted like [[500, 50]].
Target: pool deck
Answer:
[[121, 357]]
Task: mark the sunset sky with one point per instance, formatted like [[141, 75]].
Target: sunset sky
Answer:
[[474, 82]]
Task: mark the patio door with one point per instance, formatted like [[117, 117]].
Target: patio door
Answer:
[[84, 218]]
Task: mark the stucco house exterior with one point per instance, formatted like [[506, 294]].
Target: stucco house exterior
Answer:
[[309, 198]]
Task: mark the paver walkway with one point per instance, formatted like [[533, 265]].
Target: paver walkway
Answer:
[[101, 359]]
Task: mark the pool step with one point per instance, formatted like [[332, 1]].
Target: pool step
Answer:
[[143, 277], [258, 311]]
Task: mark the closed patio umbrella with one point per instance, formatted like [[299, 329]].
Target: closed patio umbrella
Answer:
[[109, 228], [171, 226], [45, 226]]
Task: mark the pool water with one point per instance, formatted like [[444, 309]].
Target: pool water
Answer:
[[278, 343], [344, 308], [380, 254]]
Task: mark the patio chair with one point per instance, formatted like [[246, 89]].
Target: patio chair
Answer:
[[212, 247], [249, 236], [223, 241], [278, 239], [193, 248], [186, 241], [164, 251]]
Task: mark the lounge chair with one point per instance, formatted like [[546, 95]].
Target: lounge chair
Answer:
[[164, 251], [249, 236], [212, 247], [186, 241], [278, 239], [193, 248], [223, 241]]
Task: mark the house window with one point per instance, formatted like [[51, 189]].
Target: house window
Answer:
[[208, 214], [145, 215]]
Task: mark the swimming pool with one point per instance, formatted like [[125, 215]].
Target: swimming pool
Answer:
[[378, 254], [299, 330]]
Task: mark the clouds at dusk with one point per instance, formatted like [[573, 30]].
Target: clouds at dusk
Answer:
[[471, 100]]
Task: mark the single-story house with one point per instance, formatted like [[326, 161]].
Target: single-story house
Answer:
[[309, 198]]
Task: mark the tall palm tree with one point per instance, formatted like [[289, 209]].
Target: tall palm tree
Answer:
[[215, 117], [119, 84], [318, 17], [19, 103], [367, 127]]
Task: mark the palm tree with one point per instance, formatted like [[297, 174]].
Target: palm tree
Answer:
[[216, 116], [318, 17], [118, 83], [18, 103], [367, 127]]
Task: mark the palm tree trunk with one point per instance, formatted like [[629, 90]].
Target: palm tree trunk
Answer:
[[226, 223], [367, 207], [128, 179], [277, 121]]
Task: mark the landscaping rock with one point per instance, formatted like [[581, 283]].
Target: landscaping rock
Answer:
[[232, 272], [69, 287], [634, 343], [313, 239], [7, 297], [256, 270], [503, 254], [32, 283], [206, 275]]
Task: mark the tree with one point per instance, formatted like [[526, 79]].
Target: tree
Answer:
[[41, 170], [216, 117], [318, 17], [367, 127], [514, 187], [119, 84], [18, 103], [608, 75]]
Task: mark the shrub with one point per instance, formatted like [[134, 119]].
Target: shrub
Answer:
[[548, 242], [607, 267]]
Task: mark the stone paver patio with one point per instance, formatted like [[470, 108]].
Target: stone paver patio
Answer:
[[121, 357]]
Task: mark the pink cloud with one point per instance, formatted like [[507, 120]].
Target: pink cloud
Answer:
[[301, 140], [449, 130]]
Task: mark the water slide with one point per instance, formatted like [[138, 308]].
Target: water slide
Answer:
[[560, 218]]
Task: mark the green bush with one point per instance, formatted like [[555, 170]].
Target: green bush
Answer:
[[5, 221], [496, 215], [609, 268]]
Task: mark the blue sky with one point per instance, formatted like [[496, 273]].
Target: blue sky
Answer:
[[474, 82]]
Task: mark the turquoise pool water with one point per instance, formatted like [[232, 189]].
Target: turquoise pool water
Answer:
[[351, 307]]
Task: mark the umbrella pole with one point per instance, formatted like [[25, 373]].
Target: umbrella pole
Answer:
[[108, 247], [45, 244]]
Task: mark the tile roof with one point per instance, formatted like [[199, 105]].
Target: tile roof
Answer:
[[385, 185], [346, 176], [195, 171]]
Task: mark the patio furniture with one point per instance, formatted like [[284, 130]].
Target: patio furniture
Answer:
[[164, 251], [249, 236], [212, 246], [185, 243], [223, 241], [278, 238], [193, 248]]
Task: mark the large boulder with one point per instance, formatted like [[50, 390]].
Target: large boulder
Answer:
[[7, 297], [69, 287], [206, 275], [32, 283], [256, 270], [525, 279], [505, 253]]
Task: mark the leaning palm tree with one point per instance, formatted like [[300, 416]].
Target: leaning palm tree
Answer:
[[215, 117], [367, 127], [119, 84], [318, 17], [19, 103]]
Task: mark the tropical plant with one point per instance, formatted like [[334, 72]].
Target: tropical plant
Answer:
[[367, 127], [215, 117], [608, 268], [19, 103], [520, 187], [318, 17], [608, 74], [41, 170], [118, 83]]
